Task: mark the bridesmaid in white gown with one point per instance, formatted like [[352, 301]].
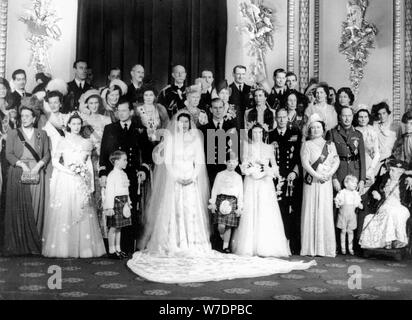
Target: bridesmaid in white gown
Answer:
[[176, 246], [320, 161], [71, 229], [260, 231]]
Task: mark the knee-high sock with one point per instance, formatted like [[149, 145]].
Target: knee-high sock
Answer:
[[343, 240], [111, 238], [226, 238], [118, 234], [350, 240]]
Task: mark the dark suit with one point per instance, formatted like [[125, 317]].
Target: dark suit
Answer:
[[276, 100], [74, 93], [287, 149], [16, 100], [243, 100], [136, 145]]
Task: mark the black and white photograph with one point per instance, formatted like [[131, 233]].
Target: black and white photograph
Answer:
[[183, 150]]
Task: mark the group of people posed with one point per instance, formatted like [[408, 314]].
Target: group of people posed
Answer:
[[196, 169]]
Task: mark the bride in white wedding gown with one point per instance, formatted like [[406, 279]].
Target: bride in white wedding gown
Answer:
[[175, 247]]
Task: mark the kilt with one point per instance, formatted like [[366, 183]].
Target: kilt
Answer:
[[117, 220], [230, 220]]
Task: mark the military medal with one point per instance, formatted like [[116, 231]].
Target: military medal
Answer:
[[356, 143]]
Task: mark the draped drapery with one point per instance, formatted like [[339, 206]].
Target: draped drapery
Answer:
[[155, 33]]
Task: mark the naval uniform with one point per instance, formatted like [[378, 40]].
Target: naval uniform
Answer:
[[287, 144]]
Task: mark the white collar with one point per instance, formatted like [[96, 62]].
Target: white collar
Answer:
[[128, 122], [282, 131], [216, 122], [137, 87], [21, 92], [78, 82]]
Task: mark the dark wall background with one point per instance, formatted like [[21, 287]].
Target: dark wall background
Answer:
[[155, 33]]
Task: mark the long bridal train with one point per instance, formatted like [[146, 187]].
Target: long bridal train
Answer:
[[212, 266], [175, 245]]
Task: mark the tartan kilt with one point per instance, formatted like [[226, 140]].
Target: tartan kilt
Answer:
[[230, 219], [117, 220]]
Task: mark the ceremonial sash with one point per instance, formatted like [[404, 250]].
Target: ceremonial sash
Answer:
[[308, 178]]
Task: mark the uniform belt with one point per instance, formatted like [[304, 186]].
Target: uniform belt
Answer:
[[351, 158]]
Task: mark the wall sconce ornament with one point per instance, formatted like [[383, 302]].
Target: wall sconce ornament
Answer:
[[259, 24], [41, 21], [358, 37]]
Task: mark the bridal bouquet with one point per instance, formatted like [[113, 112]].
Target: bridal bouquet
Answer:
[[257, 169], [81, 170]]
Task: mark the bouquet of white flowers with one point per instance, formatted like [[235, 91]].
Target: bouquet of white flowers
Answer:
[[79, 169]]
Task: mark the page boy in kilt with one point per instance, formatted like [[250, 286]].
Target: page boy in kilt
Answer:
[[226, 202], [117, 203]]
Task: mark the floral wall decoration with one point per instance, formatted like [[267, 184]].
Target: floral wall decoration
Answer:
[[259, 24], [358, 37], [42, 24]]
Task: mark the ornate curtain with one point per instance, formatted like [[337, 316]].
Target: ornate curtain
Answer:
[[155, 33]]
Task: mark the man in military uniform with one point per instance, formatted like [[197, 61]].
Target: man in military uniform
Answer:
[[351, 150], [124, 135], [286, 140], [173, 96]]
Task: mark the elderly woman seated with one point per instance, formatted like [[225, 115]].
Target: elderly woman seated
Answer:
[[389, 201]]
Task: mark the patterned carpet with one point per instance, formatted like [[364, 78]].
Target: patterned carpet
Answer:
[[28, 278]]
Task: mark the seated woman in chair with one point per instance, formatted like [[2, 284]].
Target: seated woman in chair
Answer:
[[388, 201]]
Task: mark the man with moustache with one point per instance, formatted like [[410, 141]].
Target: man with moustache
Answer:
[[351, 150], [173, 96], [138, 84], [286, 140]]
